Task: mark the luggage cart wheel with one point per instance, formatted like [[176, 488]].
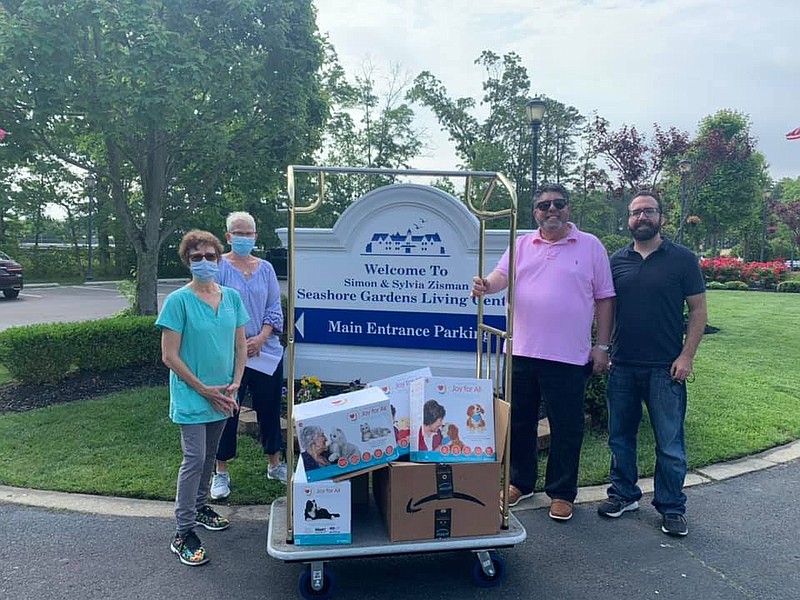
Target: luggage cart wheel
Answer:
[[489, 569], [316, 583]]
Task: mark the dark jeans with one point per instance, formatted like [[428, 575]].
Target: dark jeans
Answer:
[[628, 387], [266, 393], [562, 387]]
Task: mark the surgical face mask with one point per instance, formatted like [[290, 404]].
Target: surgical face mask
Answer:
[[204, 270], [242, 245]]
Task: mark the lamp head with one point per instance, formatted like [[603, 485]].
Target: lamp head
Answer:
[[535, 110]]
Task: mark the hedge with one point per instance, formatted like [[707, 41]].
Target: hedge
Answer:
[[792, 286], [49, 352]]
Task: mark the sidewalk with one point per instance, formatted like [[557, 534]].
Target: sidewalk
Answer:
[[128, 507]]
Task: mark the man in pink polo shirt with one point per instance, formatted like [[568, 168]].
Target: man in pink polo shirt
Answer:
[[562, 282]]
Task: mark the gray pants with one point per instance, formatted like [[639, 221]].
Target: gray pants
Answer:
[[199, 444]]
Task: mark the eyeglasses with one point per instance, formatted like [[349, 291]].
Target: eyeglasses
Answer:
[[647, 212], [243, 233], [209, 256], [544, 205]]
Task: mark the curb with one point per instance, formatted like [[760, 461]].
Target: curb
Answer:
[[131, 507]]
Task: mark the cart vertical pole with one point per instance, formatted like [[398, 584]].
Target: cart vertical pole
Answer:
[[289, 326]]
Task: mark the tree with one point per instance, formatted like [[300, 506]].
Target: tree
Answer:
[[637, 163], [371, 125], [169, 104], [502, 141], [727, 177]]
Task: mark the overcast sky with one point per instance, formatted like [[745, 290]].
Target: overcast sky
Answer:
[[635, 62]]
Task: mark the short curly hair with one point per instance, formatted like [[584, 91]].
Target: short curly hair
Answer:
[[196, 238]]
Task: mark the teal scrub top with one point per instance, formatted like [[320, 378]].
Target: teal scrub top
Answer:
[[208, 341]]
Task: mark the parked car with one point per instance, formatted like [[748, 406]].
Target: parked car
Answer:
[[10, 276]]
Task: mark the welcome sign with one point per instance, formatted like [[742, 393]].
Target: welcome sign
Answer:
[[387, 289]]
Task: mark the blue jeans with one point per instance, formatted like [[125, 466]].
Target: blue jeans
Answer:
[[628, 387]]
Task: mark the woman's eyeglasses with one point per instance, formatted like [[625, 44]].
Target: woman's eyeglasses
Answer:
[[209, 256], [544, 205]]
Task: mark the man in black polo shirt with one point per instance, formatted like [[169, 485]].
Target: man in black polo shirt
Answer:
[[650, 361]]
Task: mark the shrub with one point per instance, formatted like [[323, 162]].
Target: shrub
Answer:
[[736, 285], [792, 286], [715, 285], [595, 403], [48, 352]]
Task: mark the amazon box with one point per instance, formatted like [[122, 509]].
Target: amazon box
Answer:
[[429, 501], [452, 420], [321, 510], [345, 433], [397, 389]]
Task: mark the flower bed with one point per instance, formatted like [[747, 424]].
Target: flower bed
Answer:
[[754, 274]]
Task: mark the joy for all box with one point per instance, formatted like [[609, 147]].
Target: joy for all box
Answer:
[[452, 420], [397, 389], [321, 511], [345, 433]]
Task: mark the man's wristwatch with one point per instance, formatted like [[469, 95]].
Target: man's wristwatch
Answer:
[[603, 347]]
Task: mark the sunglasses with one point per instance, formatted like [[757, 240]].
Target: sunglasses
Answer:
[[544, 205], [209, 256]]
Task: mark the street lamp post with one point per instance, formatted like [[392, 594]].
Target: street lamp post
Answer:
[[535, 111], [685, 167], [90, 182], [766, 197]]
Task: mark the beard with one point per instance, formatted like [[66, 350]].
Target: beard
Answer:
[[645, 231]]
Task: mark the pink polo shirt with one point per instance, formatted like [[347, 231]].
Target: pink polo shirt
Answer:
[[555, 289]]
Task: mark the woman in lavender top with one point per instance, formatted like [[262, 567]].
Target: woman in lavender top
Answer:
[[257, 284]]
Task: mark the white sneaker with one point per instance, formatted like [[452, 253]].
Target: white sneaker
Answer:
[[221, 486], [277, 472]]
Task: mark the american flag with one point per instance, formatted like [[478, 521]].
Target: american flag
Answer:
[[794, 134]]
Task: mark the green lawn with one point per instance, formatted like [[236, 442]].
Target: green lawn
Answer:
[[745, 398]]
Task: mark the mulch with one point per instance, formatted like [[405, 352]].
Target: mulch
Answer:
[[19, 397]]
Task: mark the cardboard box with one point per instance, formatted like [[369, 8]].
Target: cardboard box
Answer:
[[425, 501], [429, 501], [345, 433], [322, 514], [397, 389], [461, 415]]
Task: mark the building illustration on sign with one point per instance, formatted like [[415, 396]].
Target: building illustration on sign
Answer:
[[408, 244]]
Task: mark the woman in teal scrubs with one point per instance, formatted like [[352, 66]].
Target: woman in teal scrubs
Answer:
[[203, 344]]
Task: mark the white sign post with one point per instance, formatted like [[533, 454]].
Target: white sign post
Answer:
[[387, 290]]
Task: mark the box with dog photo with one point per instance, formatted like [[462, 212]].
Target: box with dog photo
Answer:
[[321, 511], [452, 420], [345, 433], [397, 388]]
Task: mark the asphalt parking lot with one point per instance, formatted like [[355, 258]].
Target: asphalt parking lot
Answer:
[[68, 303]]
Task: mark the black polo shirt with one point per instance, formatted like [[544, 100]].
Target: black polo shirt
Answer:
[[648, 329]]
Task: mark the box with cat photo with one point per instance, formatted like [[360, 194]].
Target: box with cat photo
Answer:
[[397, 389], [345, 433], [321, 511], [452, 420]]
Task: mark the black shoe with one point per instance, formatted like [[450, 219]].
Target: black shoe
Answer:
[[674, 524], [614, 507], [189, 549]]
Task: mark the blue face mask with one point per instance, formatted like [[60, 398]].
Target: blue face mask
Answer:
[[204, 270], [242, 245]]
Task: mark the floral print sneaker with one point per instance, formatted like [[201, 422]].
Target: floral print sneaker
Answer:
[[189, 549], [211, 519]]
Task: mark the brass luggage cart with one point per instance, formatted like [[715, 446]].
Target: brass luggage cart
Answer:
[[369, 536]]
